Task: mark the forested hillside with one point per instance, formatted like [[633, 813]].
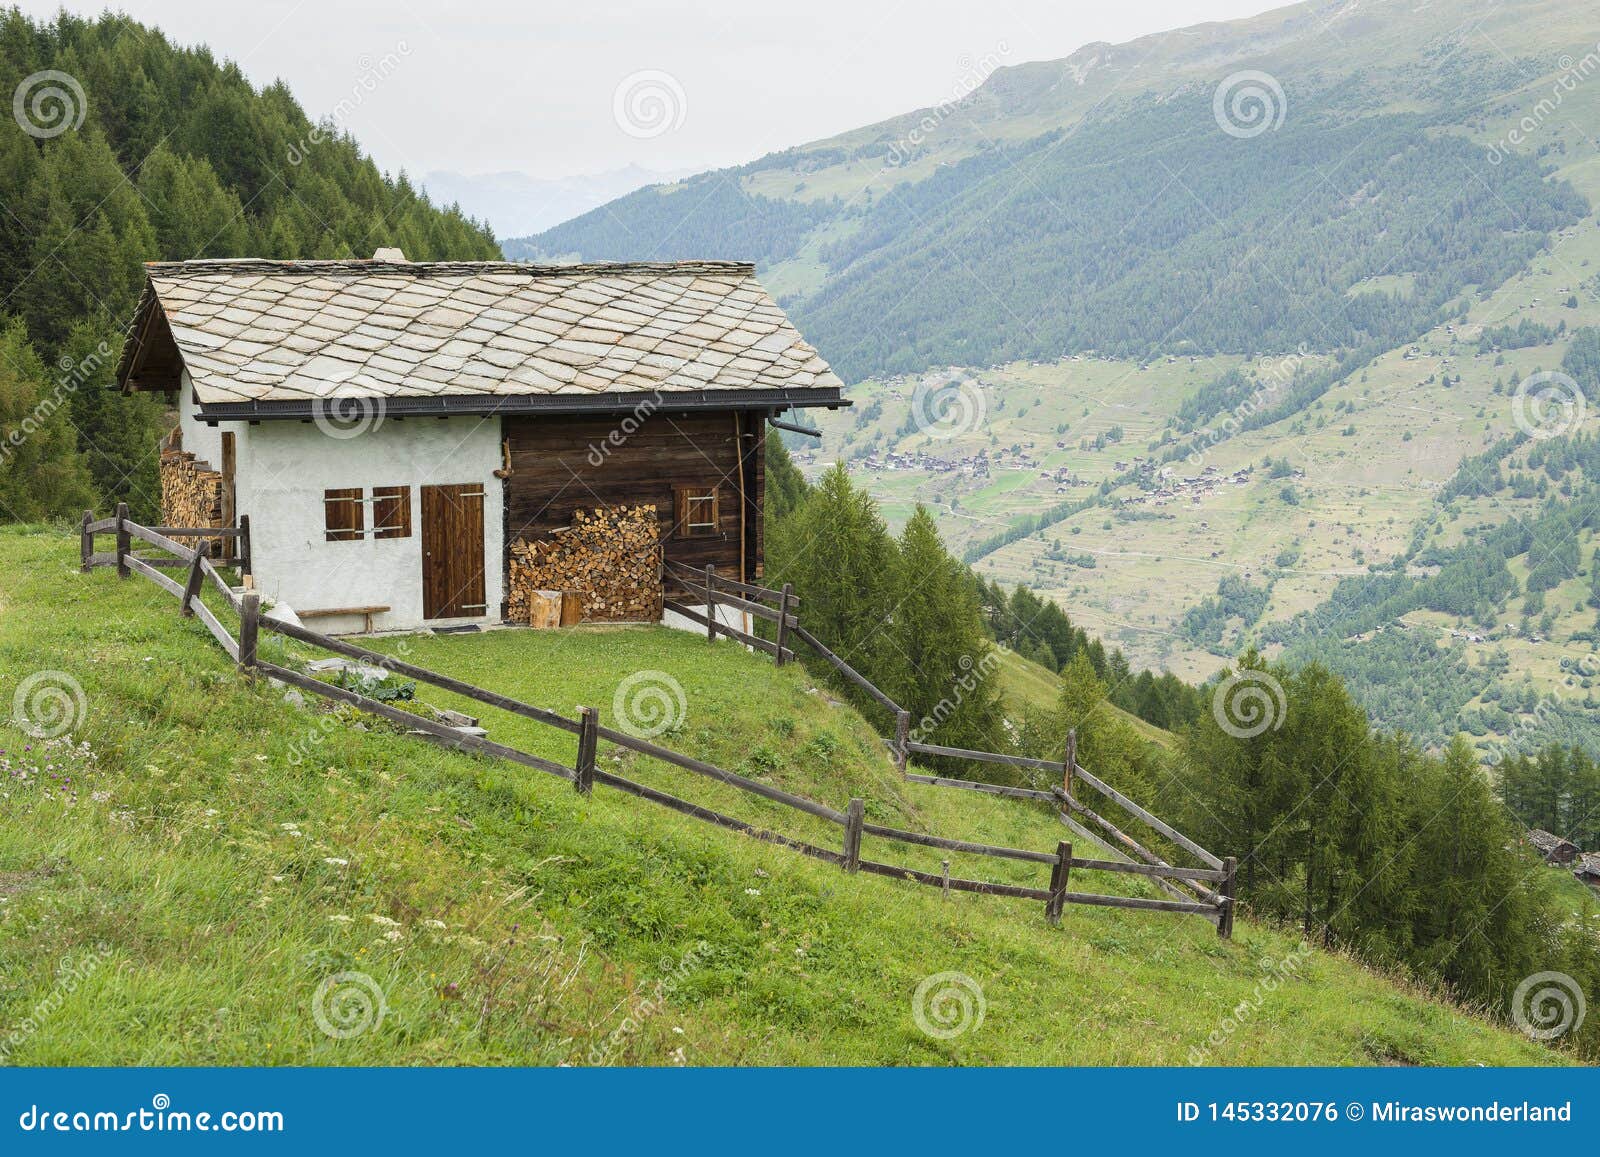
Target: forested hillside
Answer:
[[152, 152], [1023, 223], [1345, 826], [1207, 382], [1507, 561]]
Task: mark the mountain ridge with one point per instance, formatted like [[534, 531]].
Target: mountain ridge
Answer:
[[938, 236]]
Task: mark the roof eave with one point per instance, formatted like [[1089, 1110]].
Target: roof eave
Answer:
[[134, 341], [488, 405]]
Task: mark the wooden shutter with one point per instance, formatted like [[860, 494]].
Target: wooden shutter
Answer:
[[695, 511], [343, 514], [391, 512]]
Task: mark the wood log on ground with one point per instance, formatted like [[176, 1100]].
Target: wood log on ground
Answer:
[[544, 609], [571, 608], [608, 560]]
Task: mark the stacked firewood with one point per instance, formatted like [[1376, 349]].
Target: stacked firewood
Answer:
[[610, 558], [191, 492]]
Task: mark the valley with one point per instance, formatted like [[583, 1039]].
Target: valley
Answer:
[[1185, 375]]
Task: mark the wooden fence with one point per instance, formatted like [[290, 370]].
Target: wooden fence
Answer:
[[778, 607], [1185, 886]]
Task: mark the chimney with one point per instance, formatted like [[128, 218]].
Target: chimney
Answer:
[[389, 255]]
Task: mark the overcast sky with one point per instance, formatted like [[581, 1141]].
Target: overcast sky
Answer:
[[533, 87]]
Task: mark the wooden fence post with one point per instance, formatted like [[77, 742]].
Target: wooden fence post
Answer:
[[711, 606], [87, 540], [1059, 872], [249, 628], [124, 541], [945, 871], [1229, 890], [1069, 761], [854, 817], [191, 588], [783, 619], [246, 569], [902, 737], [588, 743]]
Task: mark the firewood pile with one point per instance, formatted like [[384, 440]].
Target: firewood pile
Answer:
[[191, 492], [610, 558]]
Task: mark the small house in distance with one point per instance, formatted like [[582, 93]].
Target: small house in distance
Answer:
[[1588, 869], [1552, 848], [418, 444]]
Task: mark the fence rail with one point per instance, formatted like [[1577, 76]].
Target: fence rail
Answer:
[[1181, 883], [160, 537], [585, 774]]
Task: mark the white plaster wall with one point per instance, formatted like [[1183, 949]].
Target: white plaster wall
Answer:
[[283, 469], [726, 615], [199, 439]]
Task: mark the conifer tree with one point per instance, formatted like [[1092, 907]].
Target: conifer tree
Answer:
[[837, 552], [938, 662]]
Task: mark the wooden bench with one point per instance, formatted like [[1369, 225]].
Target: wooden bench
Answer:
[[329, 612]]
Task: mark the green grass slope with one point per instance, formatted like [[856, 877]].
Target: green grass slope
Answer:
[[1035, 690], [181, 878]]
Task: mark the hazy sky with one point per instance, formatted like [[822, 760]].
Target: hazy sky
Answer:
[[534, 87]]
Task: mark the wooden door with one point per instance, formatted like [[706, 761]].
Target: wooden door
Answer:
[[452, 552]]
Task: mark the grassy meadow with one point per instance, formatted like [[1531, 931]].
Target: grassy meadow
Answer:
[[207, 871]]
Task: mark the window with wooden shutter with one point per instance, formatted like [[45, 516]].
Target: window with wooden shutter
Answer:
[[696, 511], [391, 512], [343, 515]]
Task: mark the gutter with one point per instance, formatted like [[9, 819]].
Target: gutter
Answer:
[[489, 405]]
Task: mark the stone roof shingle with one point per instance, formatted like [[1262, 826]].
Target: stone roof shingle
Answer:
[[270, 331]]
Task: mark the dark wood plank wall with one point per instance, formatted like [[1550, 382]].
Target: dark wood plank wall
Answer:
[[562, 464]]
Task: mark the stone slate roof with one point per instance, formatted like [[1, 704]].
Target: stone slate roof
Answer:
[[1552, 846], [288, 331]]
